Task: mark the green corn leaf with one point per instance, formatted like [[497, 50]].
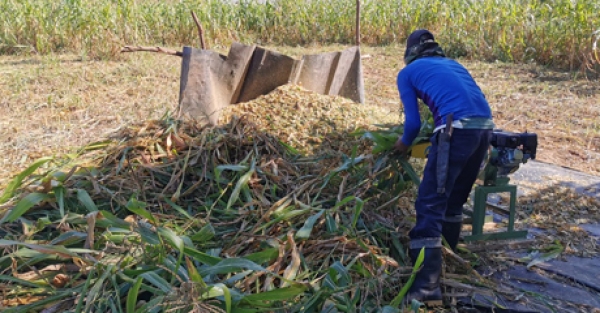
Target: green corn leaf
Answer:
[[47, 249], [176, 267], [304, 232], [109, 220], [342, 203], [176, 242], [349, 163], [362, 270], [97, 145], [398, 299], [333, 307], [85, 199], [132, 295], [69, 238], [206, 233], [399, 249], [284, 207], [357, 210], [330, 223], [17, 181], [139, 208], [290, 149], [21, 282], [228, 167], [356, 298], [171, 238], [243, 181], [201, 257], [112, 304], [383, 141], [59, 194], [371, 135], [545, 257], [23, 206], [232, 265], [193, 272], [178, 208], [211, 292], [330, 281], [313, 302], [280, 294], [343, 276], [126, 276], [264, 256], [410, 171], [153, 305], [58, 176], [147, 234], [237, 277], [95, 291], [157, 281], [284, 217], [84, 291], [381, 148], [226, 296]]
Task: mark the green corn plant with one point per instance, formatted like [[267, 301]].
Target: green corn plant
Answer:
[[555, 32]]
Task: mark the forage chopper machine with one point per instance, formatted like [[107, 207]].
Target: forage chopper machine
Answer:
[[506, 153]]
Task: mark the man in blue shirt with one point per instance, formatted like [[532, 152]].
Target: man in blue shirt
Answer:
[[463, 121]]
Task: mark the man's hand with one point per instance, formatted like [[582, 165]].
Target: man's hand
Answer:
[[400, 147]]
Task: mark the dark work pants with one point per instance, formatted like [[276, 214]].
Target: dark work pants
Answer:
[[467, 151]]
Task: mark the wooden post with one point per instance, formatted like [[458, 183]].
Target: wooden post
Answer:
[[358, 22]]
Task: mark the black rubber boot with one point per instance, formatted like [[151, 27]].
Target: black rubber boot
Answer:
[[451, 232], [426, 286]]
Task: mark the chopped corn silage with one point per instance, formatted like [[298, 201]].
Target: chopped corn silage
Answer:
[[311, 122]]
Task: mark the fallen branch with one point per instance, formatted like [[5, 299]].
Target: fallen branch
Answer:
[[151, 49], [200, 31]]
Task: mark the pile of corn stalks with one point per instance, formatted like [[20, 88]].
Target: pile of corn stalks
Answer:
[[287, 211]]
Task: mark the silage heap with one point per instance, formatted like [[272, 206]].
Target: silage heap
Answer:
[[282, 208]]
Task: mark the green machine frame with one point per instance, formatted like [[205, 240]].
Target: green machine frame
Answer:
[[492, 184]]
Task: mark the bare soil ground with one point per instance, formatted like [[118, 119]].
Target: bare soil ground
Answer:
[[50, 105]]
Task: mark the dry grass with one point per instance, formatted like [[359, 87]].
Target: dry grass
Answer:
[[52, 104], [561, 109]]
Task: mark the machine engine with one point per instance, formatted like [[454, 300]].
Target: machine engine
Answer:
[[507, 152]]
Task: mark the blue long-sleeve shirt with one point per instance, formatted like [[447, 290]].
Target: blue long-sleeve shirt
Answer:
[[445, 86]]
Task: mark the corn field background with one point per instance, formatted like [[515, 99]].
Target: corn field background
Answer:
[[560, 33]]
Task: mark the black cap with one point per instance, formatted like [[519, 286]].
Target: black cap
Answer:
[[417, 37]]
